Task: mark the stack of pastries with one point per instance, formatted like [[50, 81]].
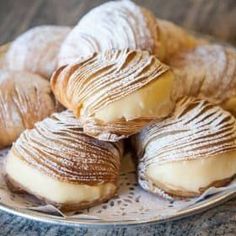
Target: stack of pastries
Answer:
[[69, 98]]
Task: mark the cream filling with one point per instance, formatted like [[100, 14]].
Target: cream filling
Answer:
[[52, 189], [153, 100], [230, 105], [191, 175]]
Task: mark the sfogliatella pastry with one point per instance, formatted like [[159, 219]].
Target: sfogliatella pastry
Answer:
[[207, 72], [25, 98], [37, 50], [121, 25], [187, 153], [62, 166], [115, 93]]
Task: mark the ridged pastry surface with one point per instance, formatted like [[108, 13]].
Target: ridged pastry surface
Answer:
[[37, 50], [113, 25], [58, 148], [196, 131], [104, 78], [207, 72], [89, 87], [25, 98]]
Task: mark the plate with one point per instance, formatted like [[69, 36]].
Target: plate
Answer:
[[132, 205], [49, 218]]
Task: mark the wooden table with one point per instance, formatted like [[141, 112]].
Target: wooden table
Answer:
[[215, 17]]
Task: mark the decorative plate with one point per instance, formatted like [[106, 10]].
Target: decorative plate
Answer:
[[131, 206]]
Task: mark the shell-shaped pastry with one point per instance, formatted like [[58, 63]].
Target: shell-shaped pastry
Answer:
[[207, 72], [121, 25], [112, 25], [37, 50], [116, 92], [25, 98], [190, 151], [58, 163]]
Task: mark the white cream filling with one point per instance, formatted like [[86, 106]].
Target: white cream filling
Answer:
[[191, 175], [154, 100], [51, 189]]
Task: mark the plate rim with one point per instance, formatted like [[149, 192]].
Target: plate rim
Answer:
[[204, 205]]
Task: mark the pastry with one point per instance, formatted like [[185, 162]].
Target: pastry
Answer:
[[59, 164], [37, 50], [207, 72], [25, 98], [187, 153], [173, 39], [121, 25], [115, 93]]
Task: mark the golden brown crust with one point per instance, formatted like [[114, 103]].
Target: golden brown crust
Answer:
[[25, 98], [186, 194], [114, 131], [172, 39], [207, 72]]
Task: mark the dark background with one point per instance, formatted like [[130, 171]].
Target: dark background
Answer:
[[215, 17]]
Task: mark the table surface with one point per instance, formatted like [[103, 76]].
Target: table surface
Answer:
[[214, 17]]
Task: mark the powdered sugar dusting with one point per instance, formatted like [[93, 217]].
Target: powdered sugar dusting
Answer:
[[104, 78], [37, 49], [58, 147], [119, 25], [207, 72], [25, 98], [197, 129]]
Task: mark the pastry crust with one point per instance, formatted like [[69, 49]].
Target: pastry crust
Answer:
[[111, 79], [37, 50], [79, 170], [197, 130], [172, 39], [207, 72], [25, 98], [187, 194], [14, 186], [122, 25], [119, 25]]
